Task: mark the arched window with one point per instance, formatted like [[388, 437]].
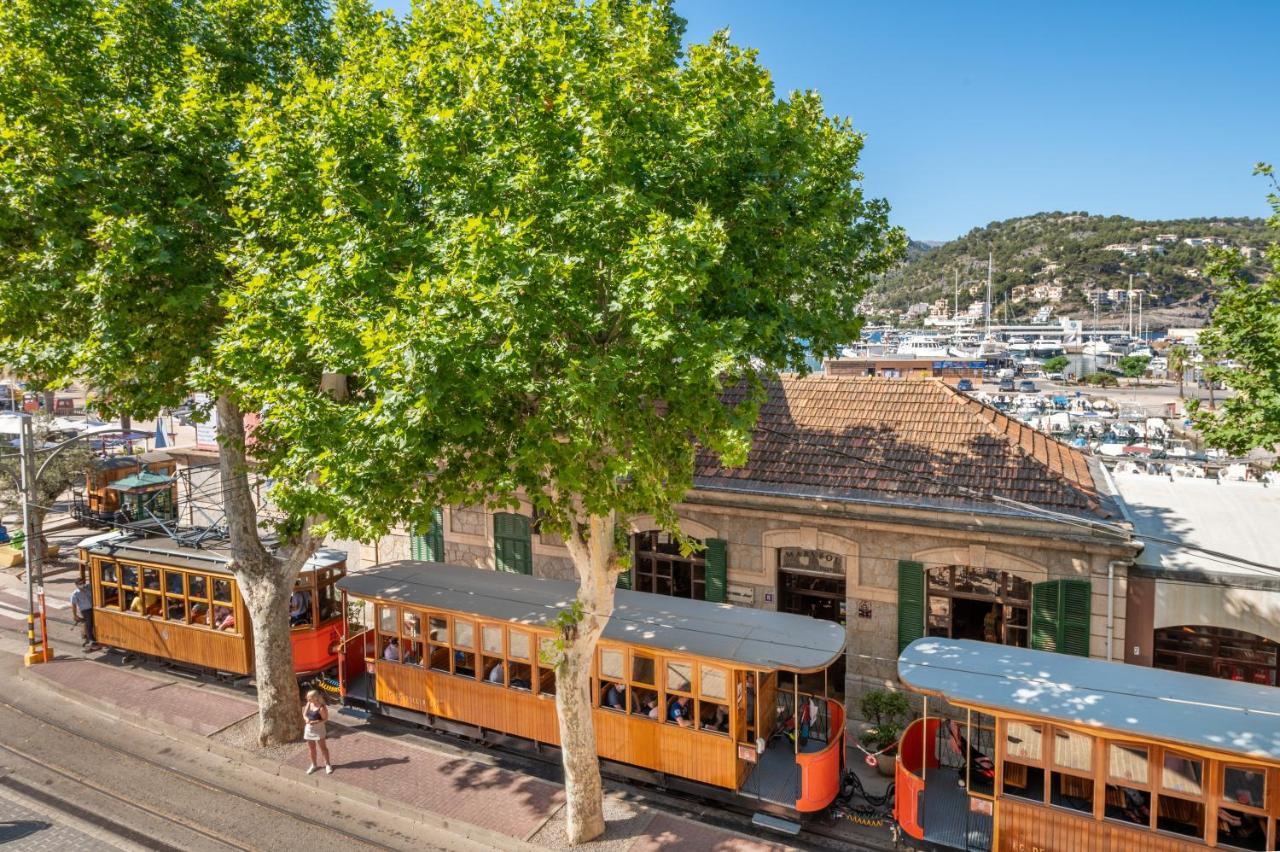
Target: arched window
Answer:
[[1217, 652]]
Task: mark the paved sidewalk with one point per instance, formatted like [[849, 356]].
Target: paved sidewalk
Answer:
[[430, 785]]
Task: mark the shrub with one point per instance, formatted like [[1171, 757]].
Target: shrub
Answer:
[[888, 713]]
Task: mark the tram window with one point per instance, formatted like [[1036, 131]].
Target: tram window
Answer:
[[679, 676], [129, 576], [1182, 774], [438, 627], [464, 633], [387, 619], [712, 683], [521, 676], [173, 582], [108, 572], [642, 669], [494, 670], [198, 586], [644, 702], [548, 655], [491, 639], [612, 664], [175, 609], [1180, 816], [1128, 763], [1242, 786], [613, 696], [1241, 829], [439, 658], [222, 591], [151, 578], [464, 663], [519, 646], [412, 625], [412, 653], [199, 613], [1022, 741], [1072, 750], [1128, 804], [713, 717], [110, 596], [330, 602], [1023, 781], [1072, 791]]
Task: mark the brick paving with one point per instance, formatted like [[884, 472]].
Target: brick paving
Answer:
[[455, 788], [25, 830], [200, 710], [667, 833]]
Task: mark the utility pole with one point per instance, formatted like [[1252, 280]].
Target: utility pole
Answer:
[[34, 565]]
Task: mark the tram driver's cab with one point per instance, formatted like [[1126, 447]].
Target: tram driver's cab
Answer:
[[315, 611]]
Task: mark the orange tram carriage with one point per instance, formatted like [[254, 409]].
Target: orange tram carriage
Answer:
[[690, 695], [159, 598], [1033, 751]]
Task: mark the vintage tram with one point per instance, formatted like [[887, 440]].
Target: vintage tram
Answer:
[[158, 597], [136, 489], [709, 697], [1029, 750]]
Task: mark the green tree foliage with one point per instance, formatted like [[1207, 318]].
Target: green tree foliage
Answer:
[[1241, 347], [1179, 361], [1134, 366], [119, 122], [1056, 364], [543, 242]]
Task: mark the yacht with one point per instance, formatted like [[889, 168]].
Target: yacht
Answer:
[[923, 346]]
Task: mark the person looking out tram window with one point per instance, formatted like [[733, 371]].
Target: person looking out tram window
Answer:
[[496, 673], [392, 651], [678, 711], [223, 618], [299, 608], [615, 697]]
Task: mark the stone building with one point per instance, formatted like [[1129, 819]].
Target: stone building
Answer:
[[898, 507]]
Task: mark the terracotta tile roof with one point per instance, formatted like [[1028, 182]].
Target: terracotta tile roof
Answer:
[[916, 439]]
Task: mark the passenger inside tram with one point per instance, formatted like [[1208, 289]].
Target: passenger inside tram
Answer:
[[300, 608], [391, 653], [615, 697], [644, 703], [678, 710], [223, 618]]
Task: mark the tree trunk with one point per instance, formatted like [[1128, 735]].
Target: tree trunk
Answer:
[[593, 556], [265, 581]]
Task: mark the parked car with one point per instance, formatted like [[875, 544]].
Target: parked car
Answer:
[[964, 385], [1026, 386], [1054, 377], [1006, 385]]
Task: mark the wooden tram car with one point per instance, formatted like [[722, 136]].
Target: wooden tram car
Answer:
[[1028, 750], [157, 597], [465, 649], [128, 489]]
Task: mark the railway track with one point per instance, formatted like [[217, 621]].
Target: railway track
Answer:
[[66, 787]]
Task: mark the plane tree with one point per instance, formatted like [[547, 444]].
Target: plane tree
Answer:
[[119, 122], [543, 241]]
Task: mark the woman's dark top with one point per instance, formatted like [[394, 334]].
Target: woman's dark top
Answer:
[[313, 714]]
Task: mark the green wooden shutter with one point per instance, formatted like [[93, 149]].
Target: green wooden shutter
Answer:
[[910, 603], [624, 578], [1073, 619], [717, 569], [417, 547], [435, 535], [1046, 601], [512, 543], [1060, 614]]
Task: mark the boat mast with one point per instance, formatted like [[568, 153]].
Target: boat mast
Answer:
[[955, 307], [990, 261], [1130, 305]]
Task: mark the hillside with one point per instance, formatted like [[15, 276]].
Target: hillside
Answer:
[[1062, 260]]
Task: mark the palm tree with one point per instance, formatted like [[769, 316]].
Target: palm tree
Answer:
[[1179, 359]]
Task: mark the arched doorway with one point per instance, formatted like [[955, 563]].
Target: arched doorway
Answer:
[[978, 603], [1217, 652]]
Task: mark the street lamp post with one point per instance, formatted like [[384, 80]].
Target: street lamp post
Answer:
[[32, 557]]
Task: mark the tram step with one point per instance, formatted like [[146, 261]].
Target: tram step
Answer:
[[773, 823]]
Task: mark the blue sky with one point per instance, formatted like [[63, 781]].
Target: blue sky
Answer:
[[978, 111]]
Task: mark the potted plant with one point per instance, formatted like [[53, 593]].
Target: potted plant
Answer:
[[887, 714]]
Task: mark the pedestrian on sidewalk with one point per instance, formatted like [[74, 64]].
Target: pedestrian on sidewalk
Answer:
[[314, 716], [82, 613]]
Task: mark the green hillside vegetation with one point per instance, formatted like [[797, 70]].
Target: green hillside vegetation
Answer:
[[1026, 249]]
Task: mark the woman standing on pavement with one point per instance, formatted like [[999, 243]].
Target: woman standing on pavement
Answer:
[[314, 716]]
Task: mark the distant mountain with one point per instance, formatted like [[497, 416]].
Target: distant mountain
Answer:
[[1070, 256]]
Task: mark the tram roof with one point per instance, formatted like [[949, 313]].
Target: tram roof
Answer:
[[741, 635], [1210, 713], [164, 550]]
